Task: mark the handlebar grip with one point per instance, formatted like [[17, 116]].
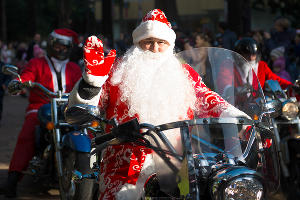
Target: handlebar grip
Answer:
[[123, 132], [20, 87], [103, 138]]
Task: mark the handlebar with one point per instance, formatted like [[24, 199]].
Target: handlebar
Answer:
[[101, 139], [48, 93], [131, 132]]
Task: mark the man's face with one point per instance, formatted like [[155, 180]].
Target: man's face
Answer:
[[60, 47], [250, 58], [60, 51], [154, 44]]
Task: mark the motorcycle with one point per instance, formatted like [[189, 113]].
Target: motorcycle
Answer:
[[60, 147], [226, 157], [287, 131]]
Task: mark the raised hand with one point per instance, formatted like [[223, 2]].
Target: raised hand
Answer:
[[97, 66]]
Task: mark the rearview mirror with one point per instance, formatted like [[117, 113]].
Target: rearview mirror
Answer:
[[10, 70]]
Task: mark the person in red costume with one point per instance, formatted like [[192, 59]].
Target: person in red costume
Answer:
[[53, 71], [249, 49], [148, 83]]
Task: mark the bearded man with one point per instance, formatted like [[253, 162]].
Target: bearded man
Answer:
[[149, 83]]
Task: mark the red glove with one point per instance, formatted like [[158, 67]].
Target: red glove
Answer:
[[96, 66]]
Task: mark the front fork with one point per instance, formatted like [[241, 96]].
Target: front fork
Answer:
[[283, 165], [57, 137], [57, 144], [59, 162], [58, 154]]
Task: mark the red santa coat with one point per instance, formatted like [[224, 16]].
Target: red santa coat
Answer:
[[263, 73], [39, 70], [122, 164]]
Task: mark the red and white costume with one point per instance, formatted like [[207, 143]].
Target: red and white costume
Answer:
[[126, 167], [39, 70], [263, 73], [122, 164]]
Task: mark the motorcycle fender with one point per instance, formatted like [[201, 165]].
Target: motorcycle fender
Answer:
[[77, 141]]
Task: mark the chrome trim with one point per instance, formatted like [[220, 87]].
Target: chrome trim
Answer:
[[222, 177]]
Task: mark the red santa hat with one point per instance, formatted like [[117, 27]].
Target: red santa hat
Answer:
[[156, 25], [65, 34]]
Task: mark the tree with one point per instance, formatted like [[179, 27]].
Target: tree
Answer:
[[107, 19], [3, 20], [64, 14], [32, 22], [239, 16]]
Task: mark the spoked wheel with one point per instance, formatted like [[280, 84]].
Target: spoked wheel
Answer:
[[70, 190]]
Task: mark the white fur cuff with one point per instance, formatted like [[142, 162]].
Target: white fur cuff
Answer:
[[232, 111], [96, 81]]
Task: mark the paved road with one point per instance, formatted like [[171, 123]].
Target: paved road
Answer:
[[13, 116]]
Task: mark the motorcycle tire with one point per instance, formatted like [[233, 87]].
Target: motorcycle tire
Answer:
[[84, 189]]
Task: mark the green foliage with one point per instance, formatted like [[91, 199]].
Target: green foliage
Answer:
[[45, 18], [16, 17]]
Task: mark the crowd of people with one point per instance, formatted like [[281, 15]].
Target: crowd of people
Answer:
[[154, 42], [279, 47]]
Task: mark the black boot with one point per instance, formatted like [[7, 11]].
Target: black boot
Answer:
[[9, 188]]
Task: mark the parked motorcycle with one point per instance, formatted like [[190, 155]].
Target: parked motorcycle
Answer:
[[227, 157], [60, 147], [287, 131]]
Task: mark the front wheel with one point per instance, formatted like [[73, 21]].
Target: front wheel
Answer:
[[70, 190]]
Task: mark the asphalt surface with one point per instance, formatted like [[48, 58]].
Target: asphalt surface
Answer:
[[12, 121]]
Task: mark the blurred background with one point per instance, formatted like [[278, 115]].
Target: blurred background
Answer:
[[218, 23], [21, 19]]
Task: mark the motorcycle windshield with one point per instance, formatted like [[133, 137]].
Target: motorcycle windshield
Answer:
[[228, 136], [229, 75]]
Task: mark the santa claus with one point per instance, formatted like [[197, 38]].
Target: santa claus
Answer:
[[53, 71], [148, 83]]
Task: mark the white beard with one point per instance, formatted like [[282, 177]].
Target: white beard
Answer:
[[154, 85]]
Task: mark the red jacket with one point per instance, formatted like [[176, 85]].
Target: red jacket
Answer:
[[40, 70], [263, 73]]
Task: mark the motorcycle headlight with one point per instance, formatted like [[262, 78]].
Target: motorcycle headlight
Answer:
[[290, 110], [237, 183], [243, 188]]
